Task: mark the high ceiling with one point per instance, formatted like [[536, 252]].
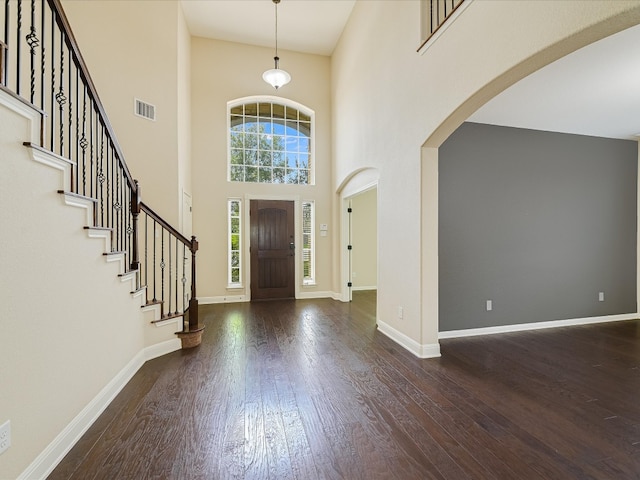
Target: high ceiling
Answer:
[[594, 91], [308, 26]]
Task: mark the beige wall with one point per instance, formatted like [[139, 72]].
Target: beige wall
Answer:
[[364, 238], [184, 121], [138, 50], [222, 72], [388, 100], [69, 324]]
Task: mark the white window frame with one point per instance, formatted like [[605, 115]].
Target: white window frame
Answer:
[[230, 251], [309, 230], [287, 103]]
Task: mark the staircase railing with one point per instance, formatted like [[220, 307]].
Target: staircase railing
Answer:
[[41, 64], [434, 14]]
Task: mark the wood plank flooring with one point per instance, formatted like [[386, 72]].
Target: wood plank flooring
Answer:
[[309, 389]]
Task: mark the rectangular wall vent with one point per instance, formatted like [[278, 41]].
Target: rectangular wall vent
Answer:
[[145, 110]]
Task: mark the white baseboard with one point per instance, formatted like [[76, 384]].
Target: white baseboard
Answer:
[[223, 299], [471, 332], [246, 298], [429, 350], [357, 289], [44, 463], [320, 294]]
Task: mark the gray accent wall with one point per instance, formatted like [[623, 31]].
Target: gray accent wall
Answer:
[[537, 222]]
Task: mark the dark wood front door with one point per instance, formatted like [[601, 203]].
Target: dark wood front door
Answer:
[[272, 249]]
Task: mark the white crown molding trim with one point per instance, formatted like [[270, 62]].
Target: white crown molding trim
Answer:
[[428, 350], [44, 463], [24, 110], [54, 161], [100, 233], [80, 202], [472, 332], [177, 320]]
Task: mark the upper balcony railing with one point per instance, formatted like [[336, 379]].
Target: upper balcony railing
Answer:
[[434, 13], [41, 64]]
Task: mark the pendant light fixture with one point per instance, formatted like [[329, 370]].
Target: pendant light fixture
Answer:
[[276, 77]]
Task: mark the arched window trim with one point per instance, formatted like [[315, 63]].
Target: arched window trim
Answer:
[[281, 101]]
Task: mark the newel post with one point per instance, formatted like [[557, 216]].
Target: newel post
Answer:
[[193, 301], [136, 199]]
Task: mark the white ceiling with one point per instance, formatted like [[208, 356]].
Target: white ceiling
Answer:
[[308, 26], [593, 91]]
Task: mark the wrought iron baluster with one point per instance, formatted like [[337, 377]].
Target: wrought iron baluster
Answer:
[[117, 230], [101, 176], [43, 69], [77, 129], [129, 239], [162, 266], [60, 96], [184, 277], [18, 45], [33, 42], [5, 58], [70, 99], [155, 223], [177, 271], [83, 141], [170, 276], [146, 257], [111, 170], [52, 110]]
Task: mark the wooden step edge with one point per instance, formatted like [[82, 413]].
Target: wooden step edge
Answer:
[[46, 151], [24, 101], [113, 253], [103, 229], [141, 288], [169, 316], [128, 273], [78, 195], [152, 303]]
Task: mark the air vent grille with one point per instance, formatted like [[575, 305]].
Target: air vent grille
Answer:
[[145, 110]]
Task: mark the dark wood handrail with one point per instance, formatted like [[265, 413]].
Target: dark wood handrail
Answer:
[[72, 44]]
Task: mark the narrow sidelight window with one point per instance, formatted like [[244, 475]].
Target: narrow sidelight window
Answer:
[[235, 242], [308, 243]]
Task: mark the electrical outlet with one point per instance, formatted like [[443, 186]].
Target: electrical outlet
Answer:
[[400, 313], [5, 436], [489, 305], [601, 296]]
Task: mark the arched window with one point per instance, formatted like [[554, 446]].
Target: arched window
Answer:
[[270, 141]]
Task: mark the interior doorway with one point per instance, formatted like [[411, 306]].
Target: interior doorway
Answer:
[[363, 220], [272, 246]]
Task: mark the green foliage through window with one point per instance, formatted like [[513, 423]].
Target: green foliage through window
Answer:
[[234, 269], [269, 143]]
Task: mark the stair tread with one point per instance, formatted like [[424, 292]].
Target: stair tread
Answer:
[[115, 253], [78, 195], [87, 227], [168, 317]]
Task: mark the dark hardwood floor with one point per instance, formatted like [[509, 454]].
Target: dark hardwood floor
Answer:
[[310, 390]]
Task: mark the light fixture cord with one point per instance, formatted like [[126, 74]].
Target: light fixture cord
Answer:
[[276, 58]]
